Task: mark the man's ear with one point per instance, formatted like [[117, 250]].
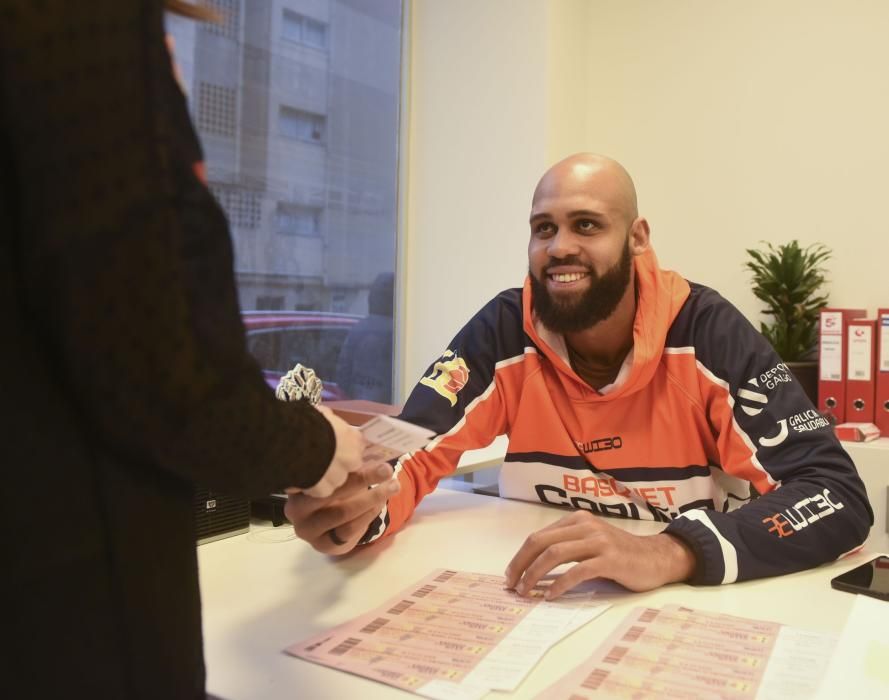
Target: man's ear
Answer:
[[640, 236]]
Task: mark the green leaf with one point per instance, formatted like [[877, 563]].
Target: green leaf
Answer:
[[789, 280]]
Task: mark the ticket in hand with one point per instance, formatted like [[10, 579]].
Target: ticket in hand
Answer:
[[389, 438]]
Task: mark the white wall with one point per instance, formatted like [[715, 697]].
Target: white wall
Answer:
[[750, 121], [477, 143], [739, 121]]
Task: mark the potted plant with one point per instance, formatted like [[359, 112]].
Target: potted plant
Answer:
[[790, 280]]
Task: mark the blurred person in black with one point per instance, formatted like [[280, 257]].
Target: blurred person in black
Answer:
[[126, 378], [364, 367]]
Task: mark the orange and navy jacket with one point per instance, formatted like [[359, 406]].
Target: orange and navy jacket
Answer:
[[703, 407]]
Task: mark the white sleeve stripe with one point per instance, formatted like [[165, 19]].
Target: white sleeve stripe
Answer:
[[754, 460], [457, 427], [729, 553], [385, 511], [381, 529]]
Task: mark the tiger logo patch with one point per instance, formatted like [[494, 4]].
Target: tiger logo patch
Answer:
[[449, 375]]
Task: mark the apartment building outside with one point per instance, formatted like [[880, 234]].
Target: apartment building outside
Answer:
[[296, 103]]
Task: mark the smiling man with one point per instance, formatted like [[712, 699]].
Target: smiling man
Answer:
[[625, 391]]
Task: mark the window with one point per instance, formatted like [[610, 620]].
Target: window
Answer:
[[279, 349], [304, 30], [297, 124], [216, 109], [267, 302], [296, 220], [313, 229]]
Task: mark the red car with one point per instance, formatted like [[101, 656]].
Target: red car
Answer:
[[280, 339]]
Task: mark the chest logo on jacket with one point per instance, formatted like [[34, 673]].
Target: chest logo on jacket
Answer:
[[610, 497], [449, 375], [600, 444]]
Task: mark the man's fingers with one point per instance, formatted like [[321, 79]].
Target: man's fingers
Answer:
[[602, 551], [344, 511], [363, 478], [577, 574], [348, 533], [355, 528], [536, 544], [574, 518], [571, 548], [300, 506], [310, 524]]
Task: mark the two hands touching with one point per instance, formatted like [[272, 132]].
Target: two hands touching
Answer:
[[333, 514], [334, 524], [347, 457]]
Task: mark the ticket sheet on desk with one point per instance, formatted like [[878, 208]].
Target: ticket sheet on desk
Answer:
[[453, 635], [677, 653]]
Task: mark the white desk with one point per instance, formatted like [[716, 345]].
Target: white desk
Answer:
[[260, 597]]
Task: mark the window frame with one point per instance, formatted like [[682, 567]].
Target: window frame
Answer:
[[291, 18], [313, 117]]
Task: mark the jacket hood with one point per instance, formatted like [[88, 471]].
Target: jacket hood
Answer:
[[661, 294]]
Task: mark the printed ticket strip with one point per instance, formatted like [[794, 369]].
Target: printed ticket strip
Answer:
[[676, 652], [389, 438], [453, 635]]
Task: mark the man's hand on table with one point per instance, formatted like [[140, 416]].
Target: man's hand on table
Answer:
[[601, 551], [333, 525]]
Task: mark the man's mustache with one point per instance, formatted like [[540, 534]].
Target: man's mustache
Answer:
[[572, 260]]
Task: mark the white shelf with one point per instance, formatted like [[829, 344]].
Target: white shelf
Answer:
[[872, 461], [484, 458]]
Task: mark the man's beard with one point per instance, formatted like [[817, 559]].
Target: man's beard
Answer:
[[573, 313]]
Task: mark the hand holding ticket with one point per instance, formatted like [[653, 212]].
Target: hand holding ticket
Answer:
[[389, 438], [347, 457], [335, 524]]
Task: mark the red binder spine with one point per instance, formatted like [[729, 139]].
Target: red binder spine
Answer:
[[832, 355], [861, 370], [881, 405]]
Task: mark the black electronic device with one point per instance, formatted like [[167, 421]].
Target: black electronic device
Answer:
[[270, 508], [219, 515], [870, 579]]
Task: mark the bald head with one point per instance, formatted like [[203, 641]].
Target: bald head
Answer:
[[586, 174]]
